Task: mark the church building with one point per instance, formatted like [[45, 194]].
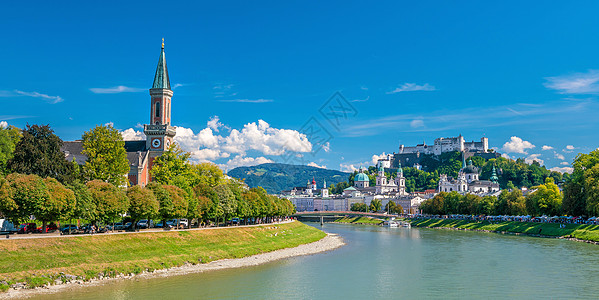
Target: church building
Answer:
[[159, 132]]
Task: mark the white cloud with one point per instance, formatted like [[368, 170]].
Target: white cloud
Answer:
[[248, 100], [531, 158], [208, 145], [578, 83], [559, 156], [545, 147], [375, 158], [361, 100], [178, 85], [132, 135], [50, 99], [517, 145], [110, 124], [562, 169], [412, 87], [214, 124], [504, 155], [326, 147], [241, 161], [3, 124], [417, 123], [116, 90], [313, 164], [564, 163], [347, 167], [570, 147]]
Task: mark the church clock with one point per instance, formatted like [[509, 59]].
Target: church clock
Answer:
[[156, 143]]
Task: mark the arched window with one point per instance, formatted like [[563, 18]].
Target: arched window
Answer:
[[450, 189], [157, 109]]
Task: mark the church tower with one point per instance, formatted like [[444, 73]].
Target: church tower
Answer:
[[159, 132]]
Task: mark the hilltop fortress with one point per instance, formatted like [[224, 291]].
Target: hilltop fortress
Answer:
[[411, 155]]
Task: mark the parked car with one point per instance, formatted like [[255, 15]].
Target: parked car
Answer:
[[69, 229], [143, 224], [49, 228], [27, 228], [183, 223], [234, 221], [118, 226]]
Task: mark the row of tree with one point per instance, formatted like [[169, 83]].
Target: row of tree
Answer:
[[546, 199], [40, 182]]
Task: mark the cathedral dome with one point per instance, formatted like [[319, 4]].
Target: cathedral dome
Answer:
[[470, 169], [361, 177]]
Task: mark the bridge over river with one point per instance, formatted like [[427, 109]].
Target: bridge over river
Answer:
[[322, 216]]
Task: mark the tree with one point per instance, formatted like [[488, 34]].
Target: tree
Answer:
[[546, 200], [393, 208], [375, 205], [9, 137], [173, 163], [111, 202], [580, 190], [61, 203], [106, 155], [142, 203], [38, 152], [26, 194], [85, 208], [207, 173], [173, 203], [226, 200], [359, 207]]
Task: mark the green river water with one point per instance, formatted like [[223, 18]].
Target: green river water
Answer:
[[392, 263]]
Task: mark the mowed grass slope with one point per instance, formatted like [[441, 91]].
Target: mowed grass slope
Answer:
[[579, 231], [37, 261], [360, 220]]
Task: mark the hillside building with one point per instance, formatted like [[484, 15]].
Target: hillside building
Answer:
[[468, 181]]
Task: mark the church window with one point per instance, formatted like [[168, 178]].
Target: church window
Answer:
[[450, 189], [157, 109]]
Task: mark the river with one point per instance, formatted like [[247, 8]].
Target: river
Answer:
[[393, 263]]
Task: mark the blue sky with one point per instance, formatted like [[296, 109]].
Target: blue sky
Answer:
[[523, 74]]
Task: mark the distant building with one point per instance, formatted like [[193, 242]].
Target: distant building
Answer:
[[468, 181]]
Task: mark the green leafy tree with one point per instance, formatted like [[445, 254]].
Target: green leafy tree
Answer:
[[173, 203], [106, 155], [546, 200], [359, 207], [61, 203], [9, 137], [375, 205], [226, 200], [172, 164], [85, 208], [143, 203], [110, 201], [393, 208], [38, 152]]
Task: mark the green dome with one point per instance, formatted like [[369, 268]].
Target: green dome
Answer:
[[361, 177]]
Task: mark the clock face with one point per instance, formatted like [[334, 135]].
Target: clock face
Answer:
[[156, 143]]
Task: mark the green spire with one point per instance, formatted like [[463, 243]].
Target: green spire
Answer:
[[399, 170], [161, 80], [494, 177]]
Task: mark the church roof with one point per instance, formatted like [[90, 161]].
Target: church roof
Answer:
[[161, 80], [361, 177], [134, 146]]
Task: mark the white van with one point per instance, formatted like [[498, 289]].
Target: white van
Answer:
[[7, 227]]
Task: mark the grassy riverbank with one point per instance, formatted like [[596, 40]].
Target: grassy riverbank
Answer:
[[578, 231], [360, 220], [37, 262]]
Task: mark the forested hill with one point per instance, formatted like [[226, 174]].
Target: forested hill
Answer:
[[278, 177]]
